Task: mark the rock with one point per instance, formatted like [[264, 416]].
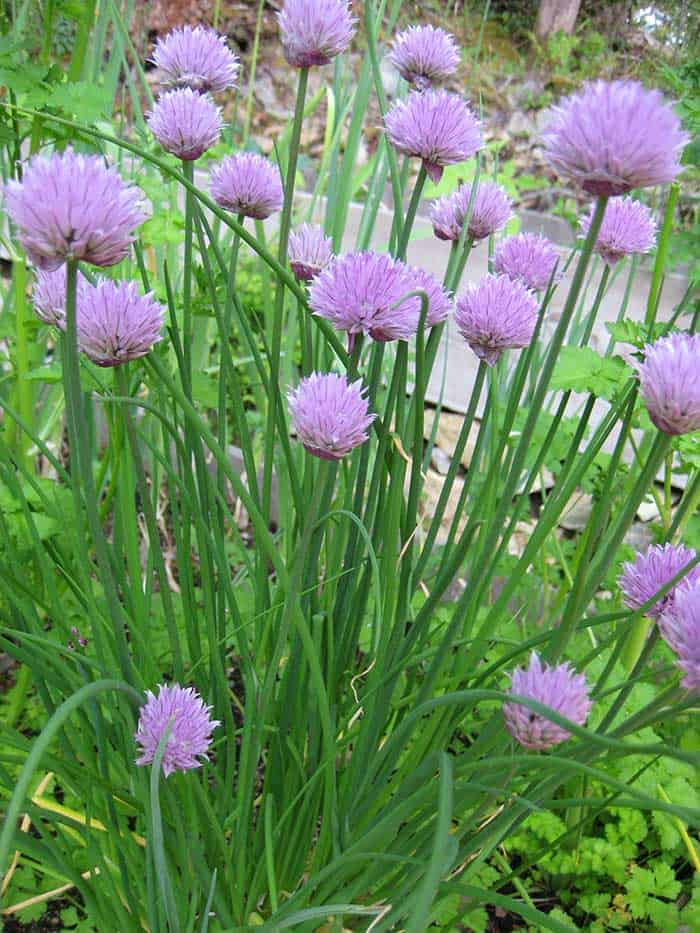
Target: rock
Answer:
[[520, 125], [544, 475], [390, 78], [521, 535], [638, 536], [529, 92], [447, 433], [454, 590], [267, 97], [577, 512], [542, 119], [431, 493], [648, 510], [440, 461]]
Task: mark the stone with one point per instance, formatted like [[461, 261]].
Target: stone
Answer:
[[518, 540], [648, 510], [447, 433], [638, 536], [520, 125], [544, 479], [432, 488], [577, 512], [440, 461]]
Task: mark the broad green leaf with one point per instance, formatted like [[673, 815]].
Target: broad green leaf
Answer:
[[581, 369]]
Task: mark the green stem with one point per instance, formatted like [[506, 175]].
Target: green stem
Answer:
[[455, 464], [82, 480], [152, 527], [80, 45], [276, 343], [188, 172], [661, 255], [251, 71], [224, 349], [461, 263], [636, 639], [370, 32], [17, 696], [411, 213], [22, 366]]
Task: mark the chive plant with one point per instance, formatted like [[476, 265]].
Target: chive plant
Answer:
[[294, 720]]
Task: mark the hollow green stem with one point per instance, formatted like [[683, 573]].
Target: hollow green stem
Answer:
[[188, 172], [411, 213], [277, 323], [82, 481], [24, 386], [661, 255]]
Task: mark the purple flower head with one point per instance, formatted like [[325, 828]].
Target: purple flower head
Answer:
[[424, 55], [115, 324], [670, 383], [248, 184], [190, 735], [680, 627], [613, 136], [490, 211], [364, 293], [49, 295], [640, 580], [330, 416], [528, 258], [497, 314], [559, 688], [315, 31], [71, 206], [309, 251], [198, 58], [185, 123], [436, 126], [440, 302], [627, 227]]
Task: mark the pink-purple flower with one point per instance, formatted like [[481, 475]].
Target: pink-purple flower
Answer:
[[559, 688], [613, 136], [115, 323], [653, 569], [491, 209], [496, 314], [330, 415], [529, 258], [424, 55], [190, 734], [440, 301], [309, 251], [315, 31], [436, 126], [680, 628], [198, 58], [72, 207], [365, 293], [49, 295], [670, 383], [249, 184], [628, 227], [185, 123]]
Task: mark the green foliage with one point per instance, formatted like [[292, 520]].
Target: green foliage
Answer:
[[635, 332], [581, 369]]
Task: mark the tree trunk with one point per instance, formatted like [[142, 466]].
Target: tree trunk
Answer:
[[553, 15]]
